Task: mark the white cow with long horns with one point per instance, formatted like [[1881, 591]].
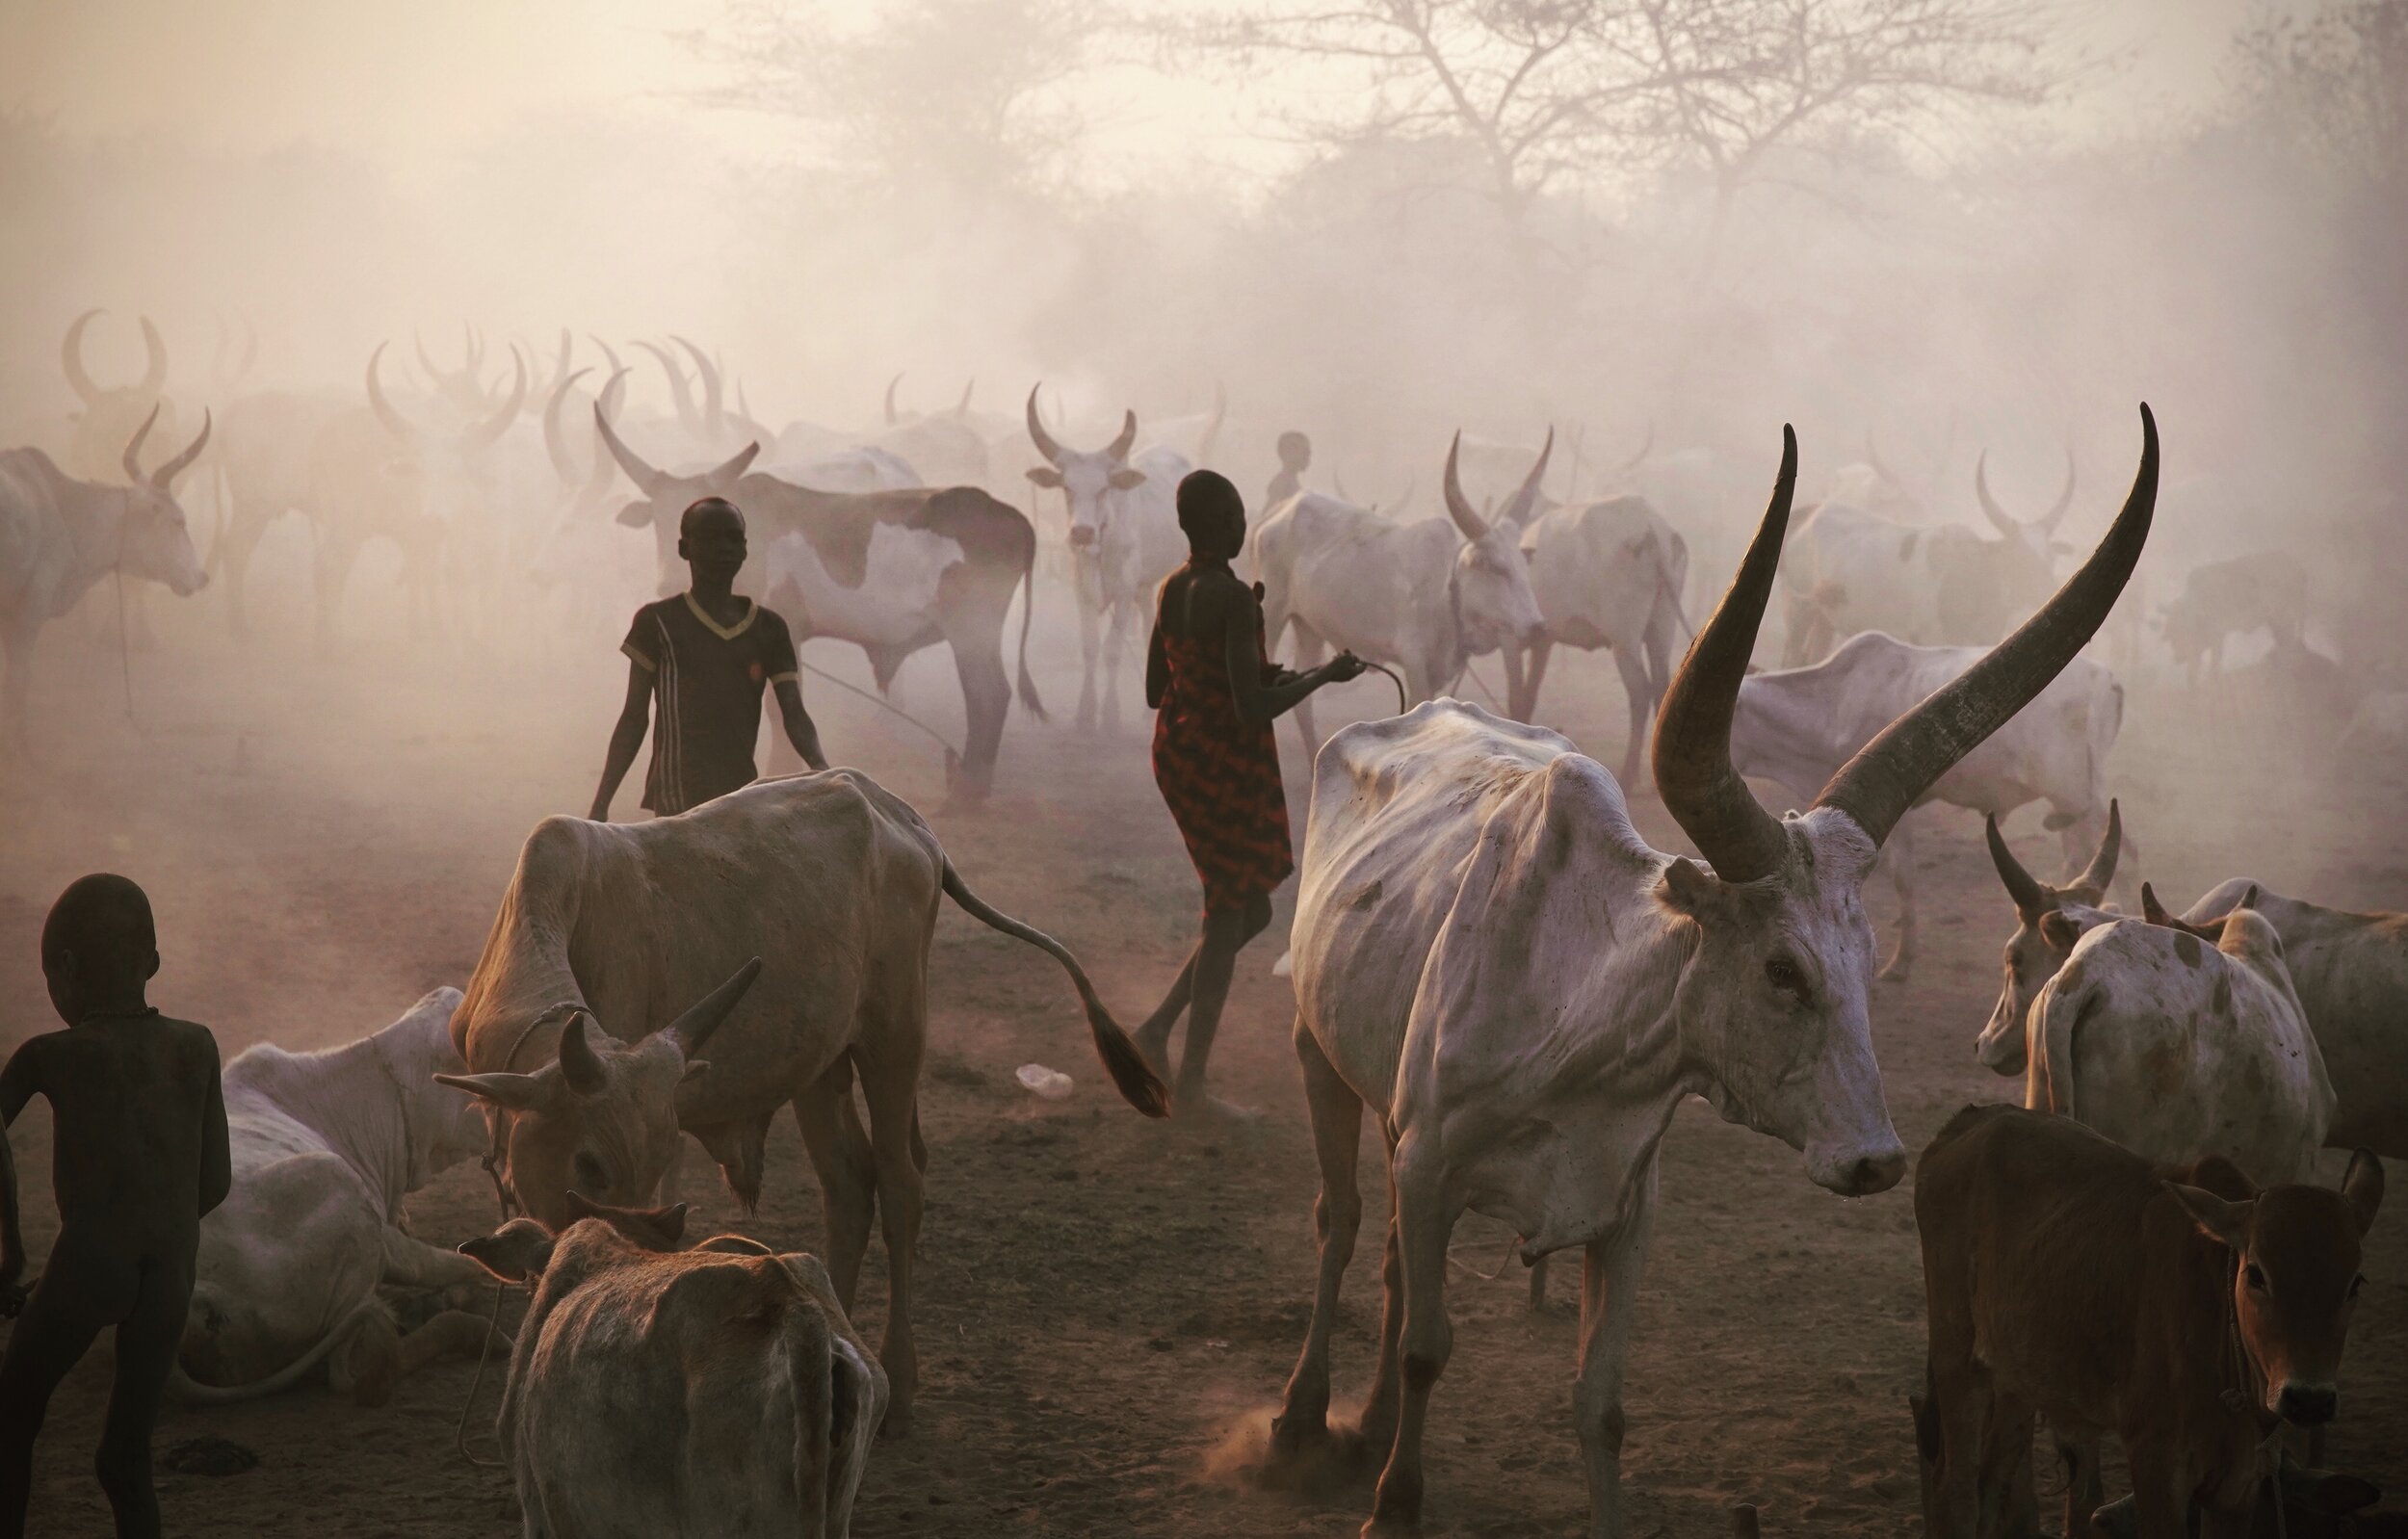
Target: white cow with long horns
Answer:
[[1567, 986], [1425, 597]]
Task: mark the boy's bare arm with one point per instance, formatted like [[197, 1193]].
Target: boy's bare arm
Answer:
[[217, 1157], [625, 738], [800, 730], [17, 1083]]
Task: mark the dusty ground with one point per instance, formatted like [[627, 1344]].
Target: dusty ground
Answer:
[[1106, 1304]]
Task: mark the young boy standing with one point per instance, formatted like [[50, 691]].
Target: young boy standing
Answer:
[[697, 664], [139, 1155]]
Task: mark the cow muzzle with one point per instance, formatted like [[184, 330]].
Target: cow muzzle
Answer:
[[2307, 1404], [1859, 1171]]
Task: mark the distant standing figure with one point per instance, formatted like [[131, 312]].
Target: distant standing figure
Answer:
[[138, 1154], [697, 662], [1215, 696], [1296, 457]]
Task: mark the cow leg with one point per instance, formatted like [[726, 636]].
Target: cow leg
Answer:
[[1609, 1296], [1379, 1426], [1511, 657], [1540, 654], [985, 700], [1425, 1216], [1309, 650], [1337, 1114], [889, 1058], [1636, 686], [407, 1262], [1899, 854], [2084, 1491], [1119, 643], [229, 557], [330, 570], [1090, 632], [840, 1157]]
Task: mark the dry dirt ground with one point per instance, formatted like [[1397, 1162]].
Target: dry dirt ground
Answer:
[[1108, 1306]]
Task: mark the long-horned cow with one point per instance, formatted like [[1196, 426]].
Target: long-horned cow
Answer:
[[834, 880], [1571, 985], [1124, 540], [1606, 573], [1798, 725], [60, 536], [2350, 972], [1426, 596], [891, 571], [1937, 585]]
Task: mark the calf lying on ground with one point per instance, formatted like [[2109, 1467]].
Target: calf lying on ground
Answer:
[[2064, 1277], [2178, 1047], [324, 1147], [717, 1391]]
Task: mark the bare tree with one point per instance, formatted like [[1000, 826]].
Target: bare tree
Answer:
[[960, 94], [1555, 92]]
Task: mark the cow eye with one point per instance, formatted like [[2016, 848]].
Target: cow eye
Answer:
[[1783, 974], [2255, 1277], [591, 1178]]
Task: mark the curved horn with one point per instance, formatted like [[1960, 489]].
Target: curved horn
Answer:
[[601, 467], [744, 419], [164, 477], [72, 359], [1125, 439], [687, 418], [2000, 518], [154, 359], [1646, 447], [648, 479], [2064, 499], [556, 436], [892, 420], [1518, 510], [559, 369], [714, 404], [961, 407], [436, 373], [690, 1031], [132, 459], [1884, 779], [1044, 441], [2032, 898], [608, 354], [1700, 788], [580, 1066], [394, 421], [489, 432], [1459, 505], [723, 476], [2101, 871]]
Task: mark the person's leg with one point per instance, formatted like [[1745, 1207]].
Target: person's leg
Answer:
[[1225, 934], [53, 1331], [1153, 1034], [147, 1346]]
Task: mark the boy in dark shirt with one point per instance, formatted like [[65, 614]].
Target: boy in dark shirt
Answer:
[[1296, 457], [139, 1155], [703, 655]]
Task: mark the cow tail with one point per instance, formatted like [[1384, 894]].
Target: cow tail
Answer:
[[1132, 1075], [1670, 590], [183, 1387], [1029, 701], [819, 1387], [2059, 1013]]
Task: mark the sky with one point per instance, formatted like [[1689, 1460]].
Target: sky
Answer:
[[403, 83]]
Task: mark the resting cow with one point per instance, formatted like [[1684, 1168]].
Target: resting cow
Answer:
[[1568, 986], [718, 1391], [832, 878], [2066, 1278], [2178, 1047], [325, 1146]]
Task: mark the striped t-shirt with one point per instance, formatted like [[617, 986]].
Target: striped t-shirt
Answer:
[[706, 695]]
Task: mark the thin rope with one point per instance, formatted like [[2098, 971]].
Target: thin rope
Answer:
[[459, 1431], [881, 702], [1377, 667], [1474, 673], [1513, 1245]]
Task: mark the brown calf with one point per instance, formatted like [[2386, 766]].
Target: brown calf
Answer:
[[2065, 1278]]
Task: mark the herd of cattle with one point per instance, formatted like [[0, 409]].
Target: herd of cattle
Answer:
[[691, 974]]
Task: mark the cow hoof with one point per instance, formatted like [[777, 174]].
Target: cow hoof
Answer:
[[897, 1426], [1385, 1526]]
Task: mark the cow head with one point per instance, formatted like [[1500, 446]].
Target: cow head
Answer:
[[1091, 482], [109, 415], [153, 538], [2296, 1279], [1494, 604], [663, 495], [2048, 922], [523, 1248], [602, 1118], [453, 467], [1771, 1003]]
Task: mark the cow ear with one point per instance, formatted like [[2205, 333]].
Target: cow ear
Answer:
[[2227, 1222], [2362, 1187], [694, 1066], [1689, 887], [1125, 480], [652, 1228], [517, 1251], [513, 1092], [1045, 476], [2058, 931], [636, 515]]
